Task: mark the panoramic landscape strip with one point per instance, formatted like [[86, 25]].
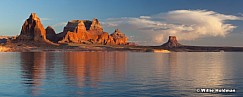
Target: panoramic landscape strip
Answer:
[[86, 35]]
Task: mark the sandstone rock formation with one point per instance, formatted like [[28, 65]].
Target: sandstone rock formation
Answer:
[[50, 34], [91, 32], [172, 42], [119, 37], [32, 30], [76, 31], [105, 39], [95, 27]]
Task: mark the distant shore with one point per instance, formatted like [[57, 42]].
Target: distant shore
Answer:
[[34, 47], [7, 44]]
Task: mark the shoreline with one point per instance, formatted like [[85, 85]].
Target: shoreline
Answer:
[[34, 47]]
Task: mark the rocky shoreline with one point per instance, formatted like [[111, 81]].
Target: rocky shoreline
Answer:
[[71, 47]]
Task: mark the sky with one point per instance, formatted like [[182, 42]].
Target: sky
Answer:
[[146, 22]]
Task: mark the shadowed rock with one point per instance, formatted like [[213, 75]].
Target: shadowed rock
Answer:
[[3, 40], [172, 42], [50, 34]]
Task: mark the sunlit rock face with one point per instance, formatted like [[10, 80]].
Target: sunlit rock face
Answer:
[[119, 37], [94, 27], [32, 29], [172, 42], [75, 32], [105, 39], [90, 32]]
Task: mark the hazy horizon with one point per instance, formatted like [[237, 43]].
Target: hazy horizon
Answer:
[[144, 22]]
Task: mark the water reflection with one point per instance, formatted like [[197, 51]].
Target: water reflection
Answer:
[[90, 66], [198, 70], [81, 68], [33, 70], [127, 73]]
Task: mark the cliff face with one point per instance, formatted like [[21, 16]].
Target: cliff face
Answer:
[[76, 31], [32, 30], [172, 42], [91, 32], [96, 27], [105, 39]]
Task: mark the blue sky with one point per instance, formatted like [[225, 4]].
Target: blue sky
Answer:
[[57, 12]]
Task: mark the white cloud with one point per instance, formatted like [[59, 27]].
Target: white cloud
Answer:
[[145, 17], [61, 24], [185, 24], [45, 19]]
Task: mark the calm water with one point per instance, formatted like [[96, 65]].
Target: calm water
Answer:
[[119, 73]]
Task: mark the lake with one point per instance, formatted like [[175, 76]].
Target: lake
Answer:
[[96, 74]]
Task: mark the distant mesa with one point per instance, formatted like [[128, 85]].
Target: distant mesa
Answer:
[[171, 43], [76, 31]]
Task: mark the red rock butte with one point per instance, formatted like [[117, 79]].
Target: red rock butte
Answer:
[[76, 31], [172, 42], [32, 29]]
